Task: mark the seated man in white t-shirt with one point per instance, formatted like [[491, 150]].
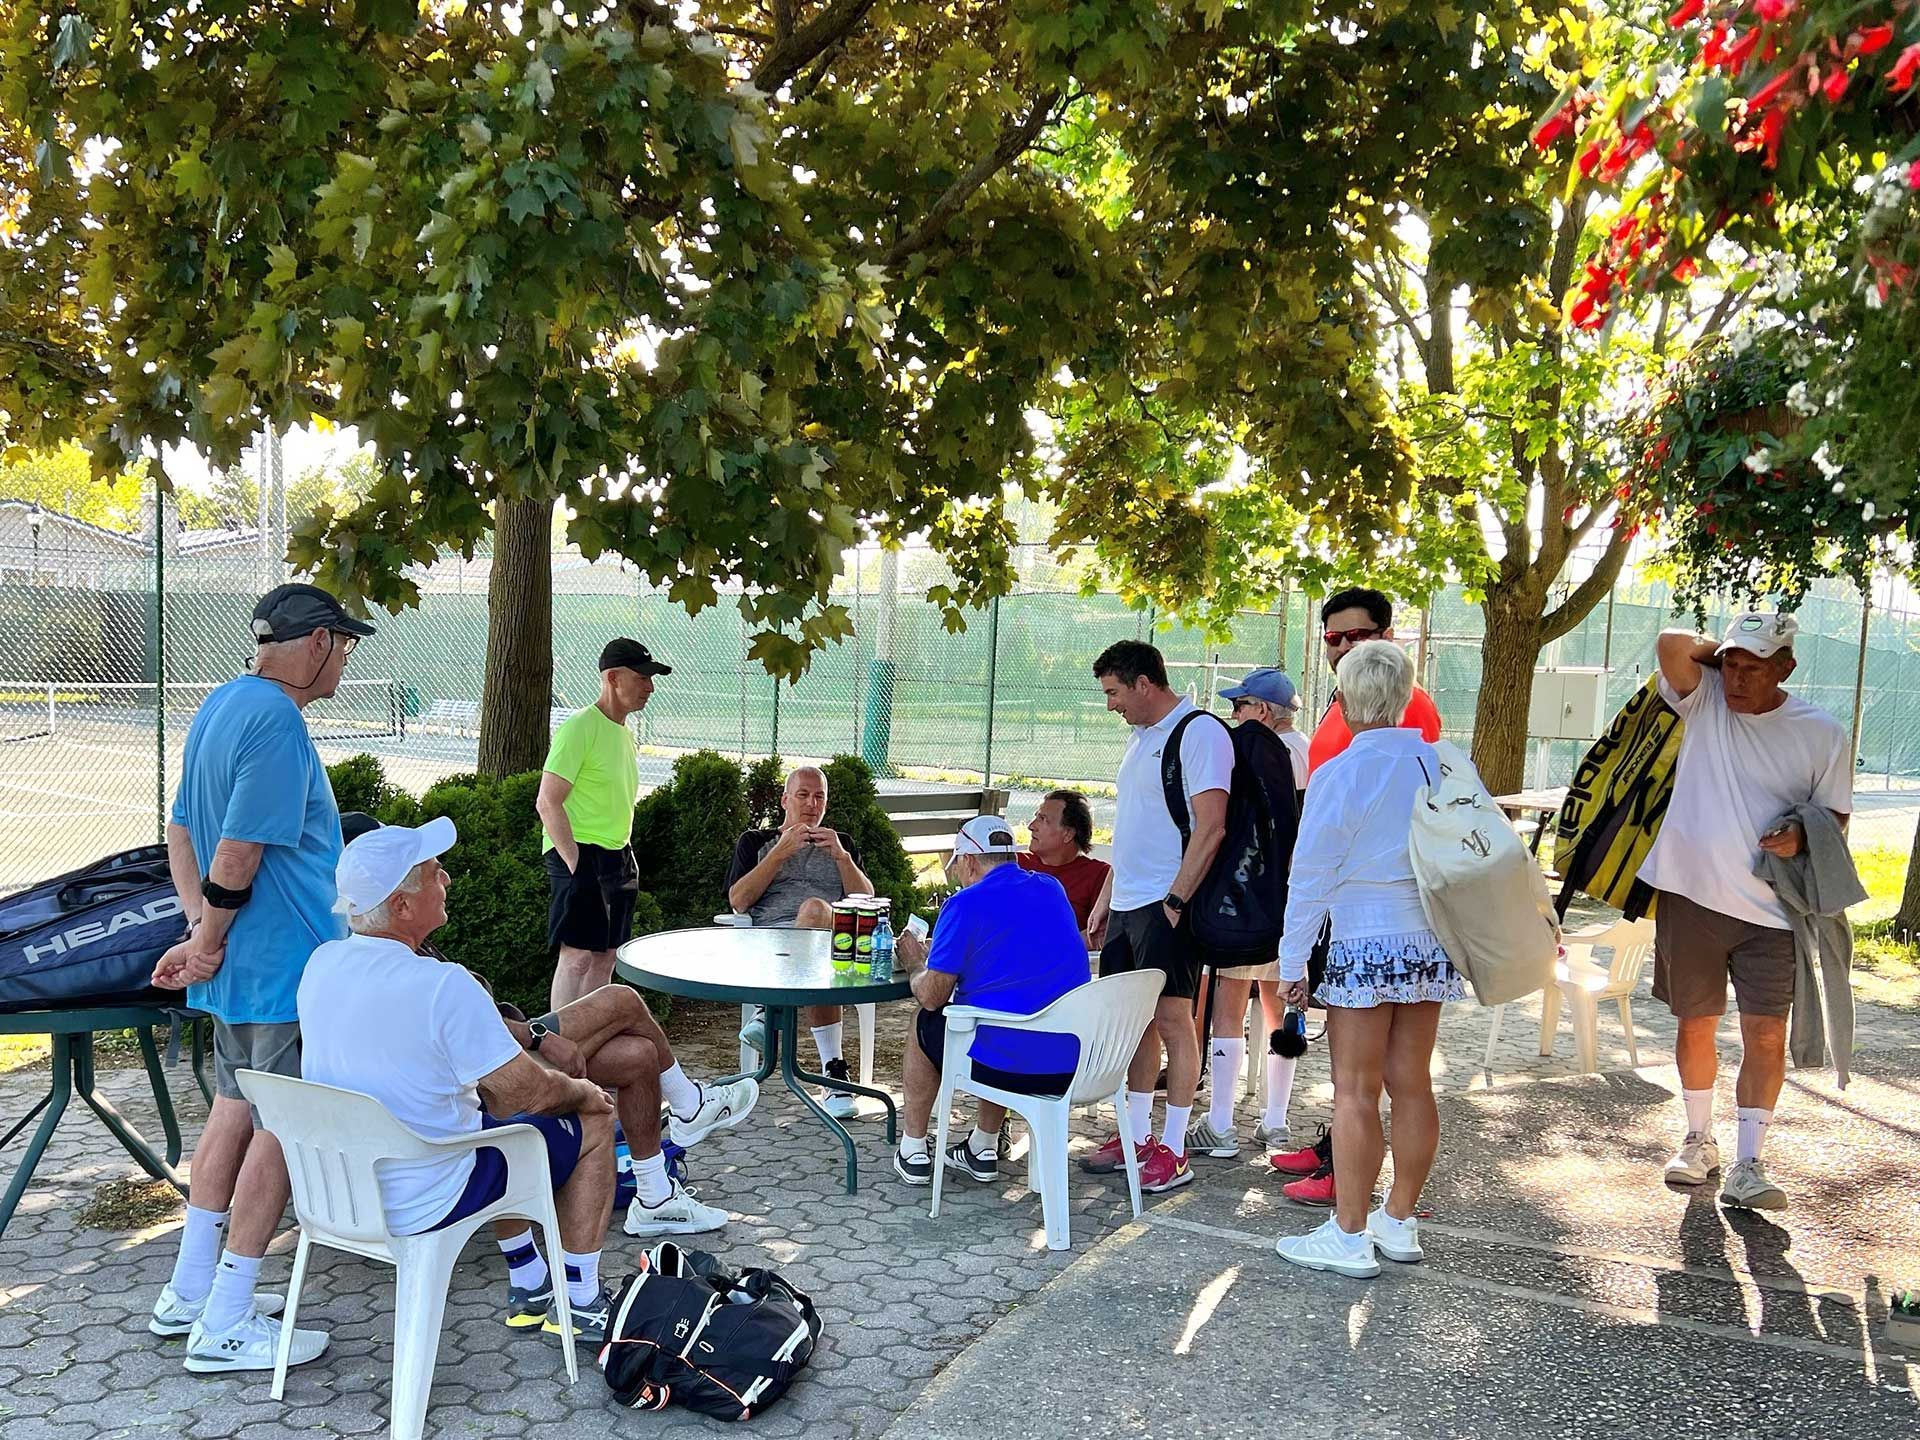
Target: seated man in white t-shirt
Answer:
[[385, 1016], [1749, 754]]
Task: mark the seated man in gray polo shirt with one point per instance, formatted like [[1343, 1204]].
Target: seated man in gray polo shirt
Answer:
[[792, 876]]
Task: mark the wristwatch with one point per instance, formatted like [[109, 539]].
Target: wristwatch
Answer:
[[1174, 903], [539, 1032]]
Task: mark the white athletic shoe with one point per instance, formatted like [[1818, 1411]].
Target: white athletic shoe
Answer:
[[253, 1344], [1748, 1188], [678, 1214], [1331, 1248], [174, 1316], [1696, 1159], [1203, 1139], [1273, 1137], [754, 1032], [1396, 1239], [721, 1108]]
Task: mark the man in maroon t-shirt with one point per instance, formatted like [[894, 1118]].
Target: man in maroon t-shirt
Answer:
[[1062, 834]]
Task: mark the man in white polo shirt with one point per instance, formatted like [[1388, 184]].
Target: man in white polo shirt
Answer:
[[1153, 877], [1750, 753]]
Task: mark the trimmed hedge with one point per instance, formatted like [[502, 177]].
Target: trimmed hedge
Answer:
[[683, 839]]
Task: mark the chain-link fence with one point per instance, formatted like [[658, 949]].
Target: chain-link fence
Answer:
[[110, 646]]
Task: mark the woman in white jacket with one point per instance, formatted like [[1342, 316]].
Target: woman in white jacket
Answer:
[[1387, 974]]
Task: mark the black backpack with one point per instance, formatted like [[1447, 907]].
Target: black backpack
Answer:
[[683, 1331], [1238, 909], [92, 935]]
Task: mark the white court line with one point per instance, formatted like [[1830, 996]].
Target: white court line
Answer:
[[105, 802]]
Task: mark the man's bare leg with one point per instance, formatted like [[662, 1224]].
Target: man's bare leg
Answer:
[[579, 972]]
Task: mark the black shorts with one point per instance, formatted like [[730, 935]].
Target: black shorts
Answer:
[[931, 1029], [1143, 940], [592, 907]]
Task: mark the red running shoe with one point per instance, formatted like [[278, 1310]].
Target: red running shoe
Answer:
[[1163, 1170], [1316, 1189], [1317, 1156], [1107, 1160]]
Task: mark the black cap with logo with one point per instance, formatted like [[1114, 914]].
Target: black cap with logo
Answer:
[[625, 654], [289, 612]]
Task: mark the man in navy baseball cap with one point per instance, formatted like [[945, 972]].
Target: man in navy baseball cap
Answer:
[[1268, 685]]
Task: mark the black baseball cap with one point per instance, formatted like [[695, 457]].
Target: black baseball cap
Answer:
[[289, 612], [625, 654], [354, 824]]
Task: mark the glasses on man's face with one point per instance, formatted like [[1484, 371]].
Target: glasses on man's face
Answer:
[[1350, 637], [1240, 705], [345, 642]]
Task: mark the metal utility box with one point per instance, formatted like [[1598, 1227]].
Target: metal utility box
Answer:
[[1568, 704]]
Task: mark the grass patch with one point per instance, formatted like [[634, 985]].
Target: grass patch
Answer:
[[1883, 871], [130, 1205], [19, 1052]]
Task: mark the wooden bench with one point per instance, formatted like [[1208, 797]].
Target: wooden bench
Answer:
[[928, 820], [456, 717]]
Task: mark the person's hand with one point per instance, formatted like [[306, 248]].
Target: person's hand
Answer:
[[1173, 916], [1296, 994], [1097, 926], [1786, 842], [828, 839], [911, 948], [188, 962], [563, 1055], [792, 838], [592, 1099], [572, 862]]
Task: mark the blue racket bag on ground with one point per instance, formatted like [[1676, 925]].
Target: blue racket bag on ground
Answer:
[[90, 936]]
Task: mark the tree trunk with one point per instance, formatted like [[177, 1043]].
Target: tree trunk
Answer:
[[1906, 925], [518, 689], [1507, 657]]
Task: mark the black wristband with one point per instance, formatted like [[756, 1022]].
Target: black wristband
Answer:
[[221, 898]]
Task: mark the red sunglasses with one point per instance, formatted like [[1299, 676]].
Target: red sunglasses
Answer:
[[1352, 637]]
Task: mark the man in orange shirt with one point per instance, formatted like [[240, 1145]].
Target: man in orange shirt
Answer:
[[1347, 619]]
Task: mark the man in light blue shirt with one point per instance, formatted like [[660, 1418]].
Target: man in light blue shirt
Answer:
[[252, 842]]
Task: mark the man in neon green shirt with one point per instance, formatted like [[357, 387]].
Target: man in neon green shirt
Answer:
[[587, 791]]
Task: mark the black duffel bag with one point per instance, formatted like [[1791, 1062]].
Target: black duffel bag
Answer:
[[684, 1332], [90, 936]]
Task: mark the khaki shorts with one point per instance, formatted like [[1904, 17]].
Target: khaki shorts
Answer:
[[1697, 950], [1268, 971], [272, 1048]]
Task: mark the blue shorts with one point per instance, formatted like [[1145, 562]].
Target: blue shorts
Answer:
[[489, 1179]]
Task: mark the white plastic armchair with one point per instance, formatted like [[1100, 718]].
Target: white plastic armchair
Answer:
[[749, 1057], [1583, 981], [333, 1139], [1108, 1016]]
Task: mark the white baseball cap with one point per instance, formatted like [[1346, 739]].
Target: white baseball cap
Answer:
[[1760, 633], [985, 835], [372, 867]]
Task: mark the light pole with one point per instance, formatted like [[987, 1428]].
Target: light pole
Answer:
[[34, 521]]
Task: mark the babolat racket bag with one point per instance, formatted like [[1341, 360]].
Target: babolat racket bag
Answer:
[[90, 936]]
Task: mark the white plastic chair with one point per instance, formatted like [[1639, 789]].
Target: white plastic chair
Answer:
[[750, 1058], [1584, 982], [332, 1140], [1108, 1016]]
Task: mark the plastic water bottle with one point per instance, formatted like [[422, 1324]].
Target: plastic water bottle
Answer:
[[882, 966]]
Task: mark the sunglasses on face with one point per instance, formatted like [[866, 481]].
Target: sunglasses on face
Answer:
[[1351, 637]]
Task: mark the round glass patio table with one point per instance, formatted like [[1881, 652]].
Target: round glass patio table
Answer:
[[780, 968]]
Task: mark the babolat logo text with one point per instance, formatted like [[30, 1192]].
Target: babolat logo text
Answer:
[[96, 930]]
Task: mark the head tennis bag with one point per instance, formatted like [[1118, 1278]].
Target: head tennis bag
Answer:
[[684, 1332], [91, 935]]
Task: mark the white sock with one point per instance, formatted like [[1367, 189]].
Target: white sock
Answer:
[[1173, 1133], [1224, 1059], [230, 1299], [1353, 1238], [827, 1037], [525, 1268], [199, 1251], [1139, 1116], [650, 1183], [985, 1142], [1753, 1131], [679, 1092], [913, 1146], [1699, 1104], [1280, 1070], [583, 1277]]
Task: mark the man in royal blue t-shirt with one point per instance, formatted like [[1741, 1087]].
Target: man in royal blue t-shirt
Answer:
[[1008, 941]]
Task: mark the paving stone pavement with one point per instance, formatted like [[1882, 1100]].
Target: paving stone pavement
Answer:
[[901, 1295]]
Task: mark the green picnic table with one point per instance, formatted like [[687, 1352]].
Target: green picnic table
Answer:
[[72, 1033]]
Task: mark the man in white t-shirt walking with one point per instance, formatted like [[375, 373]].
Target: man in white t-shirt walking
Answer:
[[1750, 753], [1151, 881]]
